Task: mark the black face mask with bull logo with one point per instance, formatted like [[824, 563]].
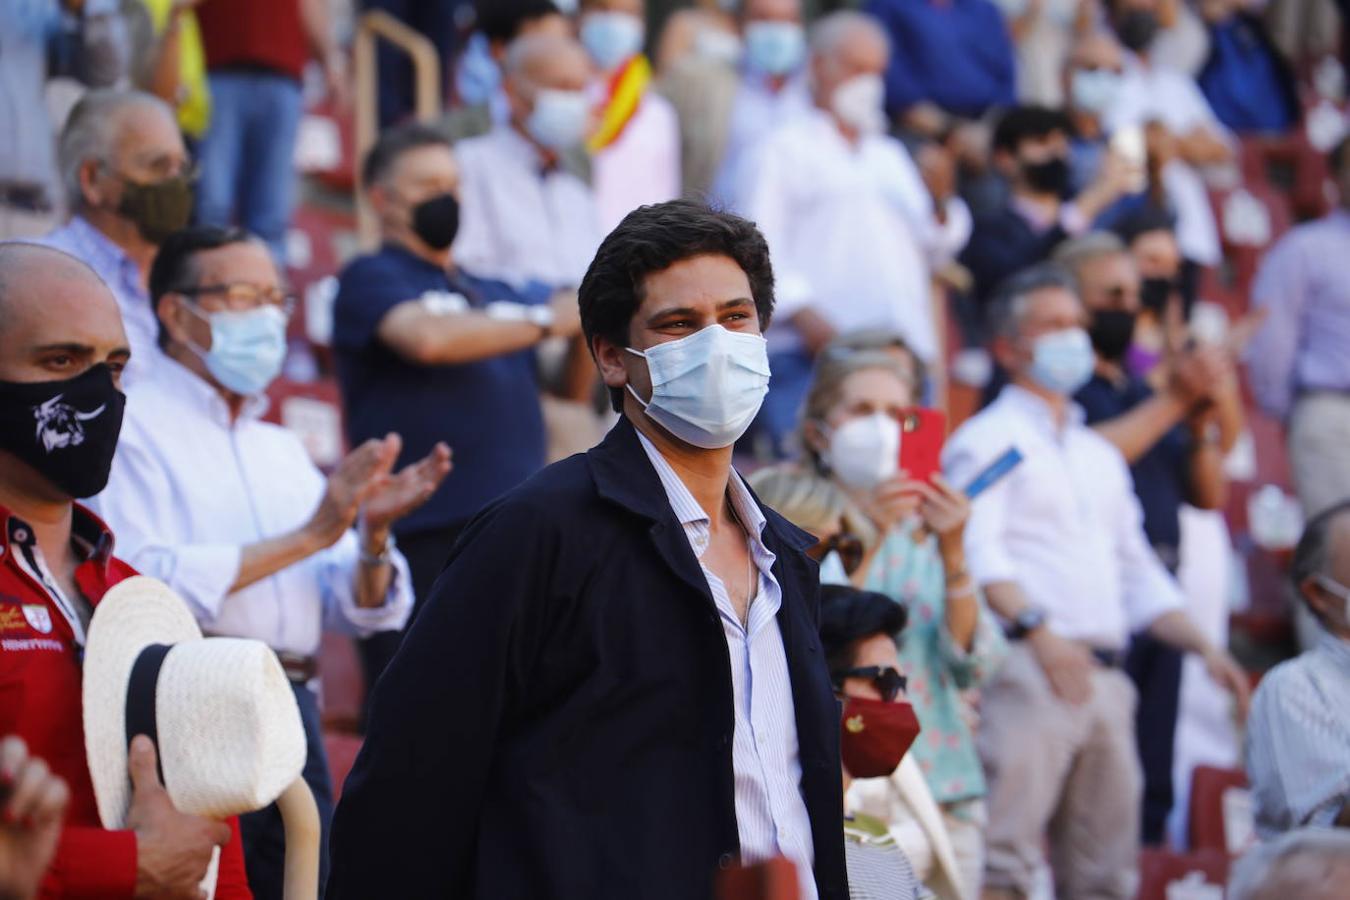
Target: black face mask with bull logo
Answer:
[[67, 430]]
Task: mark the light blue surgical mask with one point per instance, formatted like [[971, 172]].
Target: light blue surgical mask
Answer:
[[1094, 90], [247, 348], [1062, 361], [707, 387], [559, 119], [611, 37], [774, 48], [478, 77], [1335, 589]]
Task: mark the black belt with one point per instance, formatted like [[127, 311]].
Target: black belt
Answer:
[[299, 669], [1111, 659], [28, 197]]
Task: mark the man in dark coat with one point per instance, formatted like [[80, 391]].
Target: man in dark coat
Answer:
[[616, 686]]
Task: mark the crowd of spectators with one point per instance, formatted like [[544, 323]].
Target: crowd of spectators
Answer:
[[1069, 246]]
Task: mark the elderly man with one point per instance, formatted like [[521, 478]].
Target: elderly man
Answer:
[[853, 227], [126, 173], [1298, 739], [231, 512], [1059, 549], [62, 352], [524, 217], [616, 687], [414, 331]]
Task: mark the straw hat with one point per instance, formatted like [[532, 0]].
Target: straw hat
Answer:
[[222, 713]]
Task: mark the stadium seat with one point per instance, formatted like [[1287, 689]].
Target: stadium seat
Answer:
[[341, 750], [1211, 828], [1158, 869], [313, 410]]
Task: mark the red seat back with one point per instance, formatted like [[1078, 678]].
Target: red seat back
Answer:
[[1208, 785], [1159, 868]]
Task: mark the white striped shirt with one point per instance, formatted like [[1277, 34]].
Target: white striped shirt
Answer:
[[1298, 740], [771, 815]]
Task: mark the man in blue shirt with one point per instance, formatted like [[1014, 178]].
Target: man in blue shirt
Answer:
[[429, 351]]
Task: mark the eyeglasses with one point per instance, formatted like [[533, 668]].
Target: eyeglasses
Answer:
[[848, 546], [888, 680], [241, 297]]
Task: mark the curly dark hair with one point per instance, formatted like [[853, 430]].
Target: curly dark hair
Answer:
[[849, 615], [652, 239]]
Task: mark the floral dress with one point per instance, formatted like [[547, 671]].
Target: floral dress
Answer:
[[939, 670]]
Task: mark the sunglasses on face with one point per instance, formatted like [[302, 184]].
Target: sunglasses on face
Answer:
[[848, 546], [887, 679]]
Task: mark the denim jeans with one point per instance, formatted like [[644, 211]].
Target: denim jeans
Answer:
[[247, 154]]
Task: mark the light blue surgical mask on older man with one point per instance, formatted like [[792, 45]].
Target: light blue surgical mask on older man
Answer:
[[1062, 361], [247, 348], [1335, 589], [707, 387], [611, 37], [559, 118], [774, 48]]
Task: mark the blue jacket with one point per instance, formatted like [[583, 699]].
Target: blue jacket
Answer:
[[558, 721]]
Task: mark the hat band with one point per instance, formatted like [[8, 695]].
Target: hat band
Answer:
[[140, 706]]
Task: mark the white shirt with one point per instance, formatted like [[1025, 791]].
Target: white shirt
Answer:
[[851, 230], [642, 166], [189, 489], [519, 223], [771, 814], [1064, 525], [756, 110], [1160, 93]]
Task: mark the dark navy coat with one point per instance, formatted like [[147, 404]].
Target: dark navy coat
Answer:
[[558, 721]]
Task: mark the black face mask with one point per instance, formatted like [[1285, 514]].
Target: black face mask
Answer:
[[1154, 293], [1048, 177], [1111, 332], [1136, 29], [159, 208], [67, 430], [436, 221]]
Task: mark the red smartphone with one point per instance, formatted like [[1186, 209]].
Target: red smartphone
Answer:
[[922, 432]]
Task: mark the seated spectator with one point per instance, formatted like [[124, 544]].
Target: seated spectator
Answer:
[[1031, 147], [1092, 79], [1043, 34], [1175, 458], [34, 801], [1298, 739], [524, 218], [1246, 80], [1308, 863], [859, 631], [230, 511], [949, 59], [128, 182], [62, 350], [1063, 527], [413, 331], [635, 147], [853, 227], [1160, 328]]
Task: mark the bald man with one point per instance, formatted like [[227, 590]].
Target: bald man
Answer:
[[524, 219], [62, 354], [125, 171]]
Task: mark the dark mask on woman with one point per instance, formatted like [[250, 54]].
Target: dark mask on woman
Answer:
[[876, 736]]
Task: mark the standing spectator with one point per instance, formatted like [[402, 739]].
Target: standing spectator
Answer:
[[1246, 80], [1031, 146], [230, 511], [62, 348], [853, 226], [414, 332], [1298, 740], [624, 648], [256, 52], [524, 217], [1175, 458], [126, 172], [1043, 33], [1297, 363], [1059, 548], [949, 59], [635, 147], [1092, 79], [171, 63]]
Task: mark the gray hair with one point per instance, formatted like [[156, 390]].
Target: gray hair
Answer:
[[831, 31], [1312, 556], [1073, 255], [522, 53], [91, 131], [1263, 873], [1005, 313]]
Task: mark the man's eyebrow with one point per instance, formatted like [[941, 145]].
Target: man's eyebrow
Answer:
[[69, 347]]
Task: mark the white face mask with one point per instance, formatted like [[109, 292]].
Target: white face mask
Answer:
[[559, 118], [707, 387], [860, 103], [865, 451], [832, 570], [1336, 589]]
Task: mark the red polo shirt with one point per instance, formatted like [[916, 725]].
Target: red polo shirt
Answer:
[[40, 684]]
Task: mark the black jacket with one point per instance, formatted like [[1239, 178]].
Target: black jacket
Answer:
[[558, 721]]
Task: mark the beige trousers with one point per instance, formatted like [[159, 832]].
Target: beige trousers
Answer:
[[966, 830], [1319, 450], [1063, 773]]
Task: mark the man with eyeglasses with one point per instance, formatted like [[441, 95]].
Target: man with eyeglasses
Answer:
[[1298, 736], [129, 186], [231, 512]]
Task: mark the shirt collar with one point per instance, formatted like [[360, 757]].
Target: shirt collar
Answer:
[[1336, 648], [90, 535], [1039, 411], [101, 253], [520, 151], [188, 385], [688, 510]]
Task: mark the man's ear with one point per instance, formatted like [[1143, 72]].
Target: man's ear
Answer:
[[1004, 351], [170, 312], [92, 189], [609, 360], [1317, 599]]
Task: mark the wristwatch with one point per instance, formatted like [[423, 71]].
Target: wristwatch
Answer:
[[506, 311], [1027, 621]]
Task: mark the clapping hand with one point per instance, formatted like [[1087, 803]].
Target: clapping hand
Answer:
[[364, 482], [397, 495]]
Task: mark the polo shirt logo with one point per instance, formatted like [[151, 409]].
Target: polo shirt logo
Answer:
[[39, 617], [61, 425], [11, 620]]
